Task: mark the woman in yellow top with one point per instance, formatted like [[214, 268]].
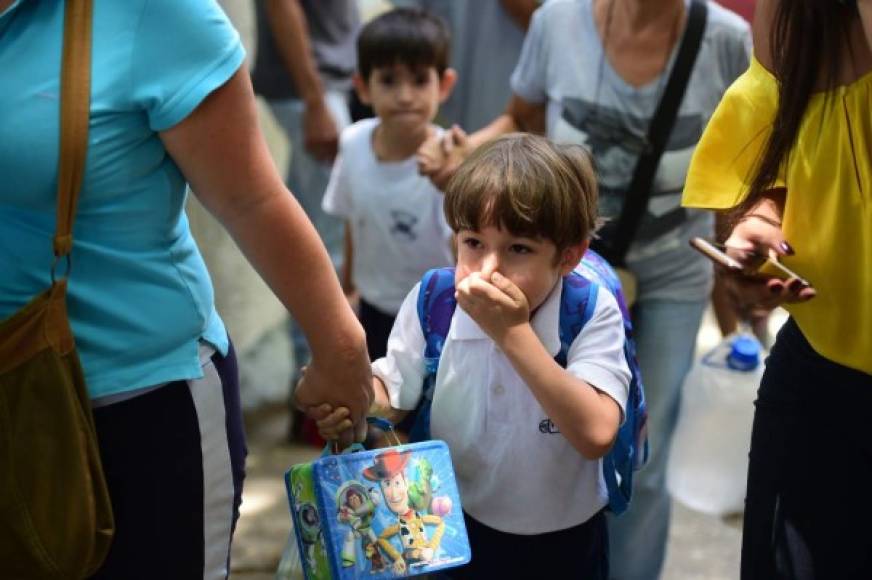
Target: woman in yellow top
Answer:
[[789, 154]]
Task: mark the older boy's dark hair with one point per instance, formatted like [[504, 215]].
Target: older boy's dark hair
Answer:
[[528, 186], [408, 36]]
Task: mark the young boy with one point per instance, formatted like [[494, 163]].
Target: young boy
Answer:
[[395, 226], [523, 210]]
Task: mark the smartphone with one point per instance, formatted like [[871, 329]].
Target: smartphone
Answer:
[[760, 266]]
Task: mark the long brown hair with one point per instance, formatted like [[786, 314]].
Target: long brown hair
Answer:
[[806, 40]]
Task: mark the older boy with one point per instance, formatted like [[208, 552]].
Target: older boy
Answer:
[[395, 228], [523, 210]]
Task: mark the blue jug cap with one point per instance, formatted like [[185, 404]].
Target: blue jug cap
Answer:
[[744, 353]]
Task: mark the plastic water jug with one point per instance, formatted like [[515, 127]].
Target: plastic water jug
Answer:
[[708, 463]]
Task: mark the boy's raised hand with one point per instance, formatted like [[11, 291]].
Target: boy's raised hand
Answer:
[[494, 302], [440, 156]]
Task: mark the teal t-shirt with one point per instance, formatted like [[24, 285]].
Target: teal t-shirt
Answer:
[[140, 298]]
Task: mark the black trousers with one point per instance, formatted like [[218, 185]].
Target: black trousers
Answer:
[[808, 511], [174, 460], [377, 325], [580, 552]]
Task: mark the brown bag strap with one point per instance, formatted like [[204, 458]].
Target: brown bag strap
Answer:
[[75, 114]]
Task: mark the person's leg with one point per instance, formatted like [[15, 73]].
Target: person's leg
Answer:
[[377, 325], [174, 464], [810, 464], [577, 552], [776, 426], [665, 335]]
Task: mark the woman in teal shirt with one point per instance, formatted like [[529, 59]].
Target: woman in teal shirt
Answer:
[[171, 106]]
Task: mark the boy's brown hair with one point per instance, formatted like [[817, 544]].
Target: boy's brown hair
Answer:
[[528, 186]]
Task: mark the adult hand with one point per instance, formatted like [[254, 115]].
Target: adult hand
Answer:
[[345, 381], [440, 156], [759, 234], [320, 136], [496, 304]]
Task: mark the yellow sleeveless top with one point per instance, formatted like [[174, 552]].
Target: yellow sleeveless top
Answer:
[[828, 214]]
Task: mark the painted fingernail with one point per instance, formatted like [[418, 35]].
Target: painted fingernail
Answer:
[[787, 248], [775, 289], [794, 285]]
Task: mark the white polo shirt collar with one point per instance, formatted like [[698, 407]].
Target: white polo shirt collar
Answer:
[[545, 323]]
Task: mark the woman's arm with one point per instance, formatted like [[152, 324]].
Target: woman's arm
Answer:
[[520, 115], [221, 151], [521, 11], [288, 26], [439, 157]]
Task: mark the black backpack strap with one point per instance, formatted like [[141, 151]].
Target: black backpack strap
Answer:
[[636, 199]]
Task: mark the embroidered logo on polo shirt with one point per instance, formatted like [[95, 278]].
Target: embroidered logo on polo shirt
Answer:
[[547, 427]]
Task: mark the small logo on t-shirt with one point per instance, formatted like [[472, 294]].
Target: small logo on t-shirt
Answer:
[[547, 427], [404, 225]]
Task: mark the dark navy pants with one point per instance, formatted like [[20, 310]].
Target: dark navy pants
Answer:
[[579, 552], [808, 511], [174, 460], [377, 325]]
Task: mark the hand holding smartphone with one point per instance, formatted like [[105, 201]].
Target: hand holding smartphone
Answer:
[[752, 265]]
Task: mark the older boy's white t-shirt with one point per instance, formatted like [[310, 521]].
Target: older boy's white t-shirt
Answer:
[[516, 473], [398, 227]]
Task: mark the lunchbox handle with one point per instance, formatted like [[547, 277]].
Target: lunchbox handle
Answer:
[[332, 447]]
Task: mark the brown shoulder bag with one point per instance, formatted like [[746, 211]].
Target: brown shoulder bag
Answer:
[[55, 513]]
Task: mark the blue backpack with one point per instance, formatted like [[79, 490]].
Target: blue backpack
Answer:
[[436, 305]]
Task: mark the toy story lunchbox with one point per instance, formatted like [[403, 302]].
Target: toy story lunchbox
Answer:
[[383, 513]]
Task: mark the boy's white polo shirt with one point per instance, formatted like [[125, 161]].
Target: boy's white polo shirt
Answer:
[[515, 473]]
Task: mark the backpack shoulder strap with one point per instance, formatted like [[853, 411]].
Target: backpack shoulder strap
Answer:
[[436, 305], [630, 450], [594, 267], [577, 303]]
